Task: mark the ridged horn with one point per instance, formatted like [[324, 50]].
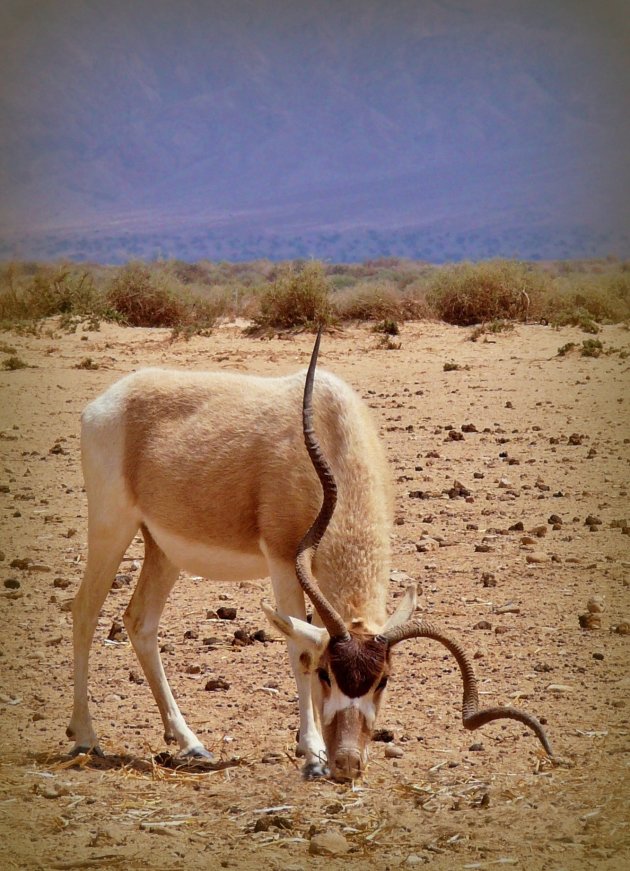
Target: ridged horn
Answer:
[[472, 717], [306, 550]]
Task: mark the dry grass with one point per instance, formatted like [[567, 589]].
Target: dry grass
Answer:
[[189, 297]]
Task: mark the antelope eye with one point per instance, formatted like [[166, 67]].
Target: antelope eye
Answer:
[[323, 675], [382, 683]]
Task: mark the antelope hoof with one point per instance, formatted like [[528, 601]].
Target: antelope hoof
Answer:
[[198, 752], [315, 770], [95, 750]]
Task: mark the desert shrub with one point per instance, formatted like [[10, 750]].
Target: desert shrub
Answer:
[[368, 302], [86, 363], [563, 350], [10, 364], [30, 294], [584, 300], [471, 293], [380, 301], [140, 297], [492, 328], [143, 299], [298, 297], [591, 348], [388, 327]]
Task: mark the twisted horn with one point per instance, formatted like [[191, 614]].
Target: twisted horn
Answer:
[[472, 717], [307, 547]]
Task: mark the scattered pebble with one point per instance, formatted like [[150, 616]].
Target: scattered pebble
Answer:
[[536, 557], [384, 735], [393, 751], [595, 604], [328, 843], [216, 683], [590, 621]]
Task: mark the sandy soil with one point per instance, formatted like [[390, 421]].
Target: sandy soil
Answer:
[[552, 438]]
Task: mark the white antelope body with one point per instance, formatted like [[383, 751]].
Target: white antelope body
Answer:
[[212, 468]]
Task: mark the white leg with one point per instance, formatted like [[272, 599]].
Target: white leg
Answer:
[[106, 547], [141, 620], [290, 602]]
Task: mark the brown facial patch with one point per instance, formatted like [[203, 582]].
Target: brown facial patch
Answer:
[[305, 662], [357, 663]]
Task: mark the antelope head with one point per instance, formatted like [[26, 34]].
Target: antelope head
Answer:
[[351, 666]]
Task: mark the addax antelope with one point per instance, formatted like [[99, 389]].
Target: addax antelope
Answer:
[[212, 468]]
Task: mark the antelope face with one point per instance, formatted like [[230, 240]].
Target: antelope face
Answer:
[[350, 676]]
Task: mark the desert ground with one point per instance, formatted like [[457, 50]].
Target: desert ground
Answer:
[[511, 469]]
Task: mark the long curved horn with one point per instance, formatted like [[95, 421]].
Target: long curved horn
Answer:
[[307, 547], [472, 717]]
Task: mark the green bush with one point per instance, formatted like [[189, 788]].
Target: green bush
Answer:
[[472, 293], [299, 297]]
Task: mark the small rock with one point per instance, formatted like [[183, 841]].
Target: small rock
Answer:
[[226, 613], [117, 632], [590, 621], [483, 624], [134, 677], [536, 557], [61, 583], [622, 628], [384, 735], [12, 584], [272, 758], [543, 667], [595, 604], [216, 683], [427, 544], [477, 747], [242, 638], [414, 859], [488, 579], [592, 520], [576, 439], [483, 548], [21, 564], [539, 531], [392, 751], [599, 656], [328, 844], [558, 688]]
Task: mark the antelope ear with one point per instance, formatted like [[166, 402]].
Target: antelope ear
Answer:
[[405, 609], [302, 633]]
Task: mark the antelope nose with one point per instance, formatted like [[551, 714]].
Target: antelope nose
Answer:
[[348, 764]]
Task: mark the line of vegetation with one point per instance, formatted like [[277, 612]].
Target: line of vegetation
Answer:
[[188, 298]]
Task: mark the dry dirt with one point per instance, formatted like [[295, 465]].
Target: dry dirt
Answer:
[[551, 438]]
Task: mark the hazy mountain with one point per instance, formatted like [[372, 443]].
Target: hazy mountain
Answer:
[[324, 127]]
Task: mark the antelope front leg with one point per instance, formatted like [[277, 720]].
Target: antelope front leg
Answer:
[[290, 601]]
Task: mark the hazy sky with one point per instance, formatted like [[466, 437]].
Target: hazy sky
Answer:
[[112, 108]]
